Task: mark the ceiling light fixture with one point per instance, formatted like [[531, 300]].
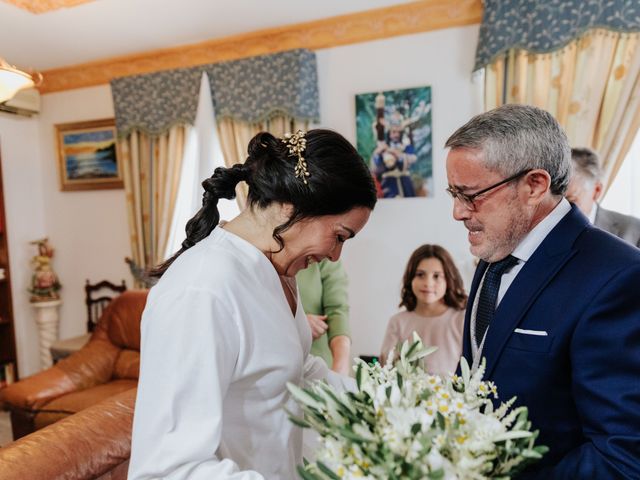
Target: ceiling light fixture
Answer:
[[12, 80]]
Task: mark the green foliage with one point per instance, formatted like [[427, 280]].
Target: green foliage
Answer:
[[403, 423]]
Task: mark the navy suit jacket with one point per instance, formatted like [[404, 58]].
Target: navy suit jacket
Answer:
[[581, 382]]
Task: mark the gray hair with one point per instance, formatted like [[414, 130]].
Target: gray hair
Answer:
[[586, 164], [515, 138]]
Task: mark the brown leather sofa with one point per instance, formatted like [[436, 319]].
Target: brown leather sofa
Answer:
[[107, 365], [92, 444]]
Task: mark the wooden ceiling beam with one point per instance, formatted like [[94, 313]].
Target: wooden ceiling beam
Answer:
[[403, 19]]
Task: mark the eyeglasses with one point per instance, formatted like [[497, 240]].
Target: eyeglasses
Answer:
[[469, 200]]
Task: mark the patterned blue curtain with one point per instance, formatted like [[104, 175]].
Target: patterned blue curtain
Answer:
[[255, 89], [252, 90], [155, 102], [542, 26]]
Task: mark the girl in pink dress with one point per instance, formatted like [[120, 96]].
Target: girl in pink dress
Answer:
[[434, 300]]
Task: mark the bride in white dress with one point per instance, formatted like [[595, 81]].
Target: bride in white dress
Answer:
[[223, 330]]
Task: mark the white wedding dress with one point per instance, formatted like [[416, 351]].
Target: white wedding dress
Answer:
[[219, 344]]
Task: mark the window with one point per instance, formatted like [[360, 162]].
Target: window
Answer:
[[624, 194], [202, 156]]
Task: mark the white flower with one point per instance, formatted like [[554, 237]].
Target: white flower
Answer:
[[395, 396], [414, 451], [435, 460], [355, 473], [404, 420], [331, 451], [394, 440]]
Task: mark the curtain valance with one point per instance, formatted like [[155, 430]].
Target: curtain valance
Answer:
[[250, 90], [544, 26]]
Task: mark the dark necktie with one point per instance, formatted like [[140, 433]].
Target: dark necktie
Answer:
[[489, 295]]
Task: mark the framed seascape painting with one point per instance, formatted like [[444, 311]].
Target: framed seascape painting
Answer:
[[88, 155], [394, 136]]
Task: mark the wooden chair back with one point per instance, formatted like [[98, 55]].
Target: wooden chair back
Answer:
[[97, 297]]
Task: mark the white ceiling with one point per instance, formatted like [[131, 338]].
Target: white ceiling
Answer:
[[108, 28]]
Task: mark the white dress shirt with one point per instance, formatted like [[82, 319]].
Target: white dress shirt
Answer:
[[522, 252], [593, 213], [219, 344]]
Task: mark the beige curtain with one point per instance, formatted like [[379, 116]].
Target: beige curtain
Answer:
[[592, 86], [151, 167], [235, 136]]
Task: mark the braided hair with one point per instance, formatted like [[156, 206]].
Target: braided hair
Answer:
[[338, 181]]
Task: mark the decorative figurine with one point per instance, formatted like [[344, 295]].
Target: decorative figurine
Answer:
[[44, 282]]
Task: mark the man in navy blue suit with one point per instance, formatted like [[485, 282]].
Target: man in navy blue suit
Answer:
[[554, 305]]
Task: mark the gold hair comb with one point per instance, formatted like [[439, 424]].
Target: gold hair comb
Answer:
[[297, 145]]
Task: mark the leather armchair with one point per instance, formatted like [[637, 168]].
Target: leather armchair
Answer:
[[107, 365], [92, 444]]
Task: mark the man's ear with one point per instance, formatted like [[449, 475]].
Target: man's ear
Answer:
[[538, 182], [597, 191]]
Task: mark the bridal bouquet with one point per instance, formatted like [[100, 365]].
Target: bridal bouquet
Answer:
[[403, 423]]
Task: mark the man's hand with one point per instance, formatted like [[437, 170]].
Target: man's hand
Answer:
[[318, 324]]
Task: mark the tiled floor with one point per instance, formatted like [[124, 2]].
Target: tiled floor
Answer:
[[5, 428]]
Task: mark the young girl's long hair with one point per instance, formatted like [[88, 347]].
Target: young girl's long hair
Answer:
[[454, 297]]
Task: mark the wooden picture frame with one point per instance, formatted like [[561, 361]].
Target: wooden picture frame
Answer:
[[88, 157], [394, 136]]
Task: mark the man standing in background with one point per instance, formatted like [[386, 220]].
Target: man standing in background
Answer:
[[585, 189]]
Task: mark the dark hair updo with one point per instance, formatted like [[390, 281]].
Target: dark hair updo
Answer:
[[338, 181]]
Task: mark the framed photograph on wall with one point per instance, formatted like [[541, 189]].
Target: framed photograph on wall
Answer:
[[88, 155], [394, 136]]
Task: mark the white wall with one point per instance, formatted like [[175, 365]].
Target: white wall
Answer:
[[623, 195], [376, 258], [89, 229], [23, 196]]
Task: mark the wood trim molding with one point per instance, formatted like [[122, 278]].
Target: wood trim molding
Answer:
[[43, 6], [407, 18]]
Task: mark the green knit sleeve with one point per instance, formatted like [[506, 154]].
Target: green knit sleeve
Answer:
[[335, 299]]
